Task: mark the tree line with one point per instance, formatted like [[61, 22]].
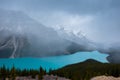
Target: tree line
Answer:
[[81, 71], [86, 72], [13, 72]]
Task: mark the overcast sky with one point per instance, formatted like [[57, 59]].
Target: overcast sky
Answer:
[[98, 20]]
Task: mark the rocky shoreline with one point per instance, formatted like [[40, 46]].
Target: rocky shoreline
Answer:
[[105, 78]]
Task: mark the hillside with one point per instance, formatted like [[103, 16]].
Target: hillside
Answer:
[[88, 69]]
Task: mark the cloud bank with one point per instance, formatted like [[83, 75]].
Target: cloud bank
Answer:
[[22, 36], [97, 20]]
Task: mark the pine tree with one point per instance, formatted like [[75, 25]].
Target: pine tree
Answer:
[[3, 72], [42, 72], [13, 73]]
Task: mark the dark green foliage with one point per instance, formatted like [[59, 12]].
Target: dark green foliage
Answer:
[[88, 69], [3, 72], [42, 72], [13, 72]]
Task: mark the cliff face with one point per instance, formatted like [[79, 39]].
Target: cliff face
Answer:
[[11, 45]]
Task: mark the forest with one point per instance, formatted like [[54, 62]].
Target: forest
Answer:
[[79, 71]]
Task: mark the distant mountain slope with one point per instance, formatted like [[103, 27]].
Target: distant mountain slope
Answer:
[[22, 36], [88, 69]]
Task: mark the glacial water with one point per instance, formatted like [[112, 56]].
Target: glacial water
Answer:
[[53, 62]]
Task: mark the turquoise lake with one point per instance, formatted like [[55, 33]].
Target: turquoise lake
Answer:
[[53, 62]]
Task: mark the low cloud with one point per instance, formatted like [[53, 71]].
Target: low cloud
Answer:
[[96, 20]]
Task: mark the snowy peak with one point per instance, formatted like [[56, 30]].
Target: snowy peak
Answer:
[[25, 37]]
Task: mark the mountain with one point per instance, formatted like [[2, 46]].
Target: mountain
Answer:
[[22, 36], [87, 69]]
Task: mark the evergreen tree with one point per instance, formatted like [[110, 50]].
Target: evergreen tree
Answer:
[[3, 72], [42, 72], [13, 73]]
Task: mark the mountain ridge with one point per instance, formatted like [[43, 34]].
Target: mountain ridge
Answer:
[[26, 37]]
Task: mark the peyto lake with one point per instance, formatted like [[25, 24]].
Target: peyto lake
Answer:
[[53, 62]]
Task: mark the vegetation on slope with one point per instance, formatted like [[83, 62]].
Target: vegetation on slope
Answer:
[[88, 69]]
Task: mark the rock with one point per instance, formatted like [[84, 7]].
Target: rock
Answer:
[[105, 78]]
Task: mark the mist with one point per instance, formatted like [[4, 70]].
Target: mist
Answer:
[[42, 28], [22, 36]]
